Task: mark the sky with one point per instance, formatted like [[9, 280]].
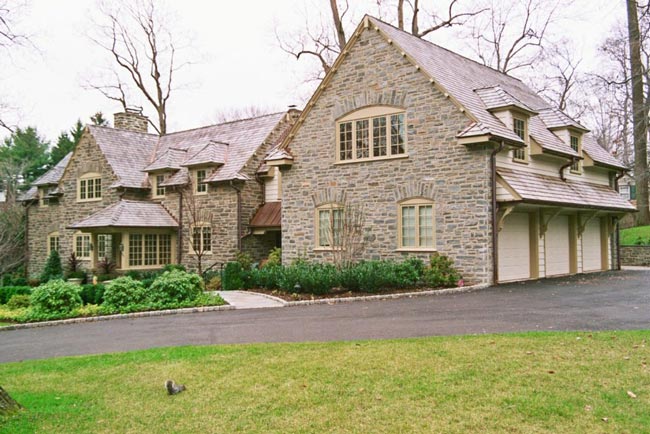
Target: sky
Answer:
[[236, 59]]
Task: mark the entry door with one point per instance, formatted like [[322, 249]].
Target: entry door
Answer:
[[514, 248]]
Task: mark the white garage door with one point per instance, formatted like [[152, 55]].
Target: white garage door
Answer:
[[514, 248], [591, 249], [557, 246]]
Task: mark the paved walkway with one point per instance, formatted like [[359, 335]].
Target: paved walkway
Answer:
[[249, 300]]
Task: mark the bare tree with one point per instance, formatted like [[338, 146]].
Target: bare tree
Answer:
[[511, 36], [345, 233], [143, 53], [198, 218], [12, 236], [639, 115], [435, 20]]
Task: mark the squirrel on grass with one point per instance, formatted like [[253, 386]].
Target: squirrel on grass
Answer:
[[173, 388]]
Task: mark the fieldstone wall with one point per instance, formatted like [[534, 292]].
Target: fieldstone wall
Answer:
[[131, 121], [635, 255], [455, 177]]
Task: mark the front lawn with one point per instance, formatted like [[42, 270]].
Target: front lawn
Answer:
[[520, 383], [637, 235]]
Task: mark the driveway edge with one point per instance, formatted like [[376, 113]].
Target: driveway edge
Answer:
[[151, 313]]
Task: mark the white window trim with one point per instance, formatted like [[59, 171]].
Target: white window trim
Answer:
[[49, 237], [368, 113], [74, 245], [417, 202], [526, 158], [201, 226], [577, 168], [154, 186], [86, 177], [332, 206]]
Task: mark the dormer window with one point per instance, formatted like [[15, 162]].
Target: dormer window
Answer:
[[199, 177], [371, 133], [158, 190], [576, 146], [89, 187], [521, 129]]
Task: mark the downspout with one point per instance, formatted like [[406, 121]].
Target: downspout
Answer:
[[179, 242], [238, 190], [495, 239], [27, 240], [618, 226], [563, 168]]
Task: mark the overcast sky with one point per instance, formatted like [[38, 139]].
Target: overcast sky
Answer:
[[238, 61]]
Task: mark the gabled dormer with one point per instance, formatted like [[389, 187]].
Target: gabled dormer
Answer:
[[569, 131]]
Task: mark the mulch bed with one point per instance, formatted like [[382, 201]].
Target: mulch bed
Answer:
[[334, 294]]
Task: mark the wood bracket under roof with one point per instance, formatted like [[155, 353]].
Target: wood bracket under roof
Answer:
[[543, 226], [502, 214], [582, 225]]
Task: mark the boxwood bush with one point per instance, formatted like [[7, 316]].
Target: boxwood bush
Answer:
[[305, 277], [441, 272], [124, 291], [373, 276], [175, 286], [6, 292], [56, 297]]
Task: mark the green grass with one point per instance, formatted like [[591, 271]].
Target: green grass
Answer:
[[630, 236], [521, 383]]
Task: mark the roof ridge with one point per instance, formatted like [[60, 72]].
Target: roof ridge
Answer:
[[446, 49], [104, 127], [224, 123]]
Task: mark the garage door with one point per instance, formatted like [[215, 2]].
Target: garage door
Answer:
[[591, 248], [557, 246], [514, 248]]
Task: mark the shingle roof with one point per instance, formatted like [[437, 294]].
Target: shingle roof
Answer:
[[128, 213], [478, 88], [269, 215], [127, 152], [553, 191], [53, 176], [170, 159], [213, 153], [31, 194], [598, 153]]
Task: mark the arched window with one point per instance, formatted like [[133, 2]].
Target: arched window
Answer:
[[416, 224], [89, 187], [370, 133]]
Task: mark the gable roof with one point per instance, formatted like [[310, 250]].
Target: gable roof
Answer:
[[53, 176], [129, 213], [475, 88]]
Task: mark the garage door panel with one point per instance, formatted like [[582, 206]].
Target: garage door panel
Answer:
[[557, 246], [591, 246], [514, 248]]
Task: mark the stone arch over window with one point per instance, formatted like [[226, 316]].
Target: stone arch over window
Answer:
[[89, 187], [328, 225], [387, 97]]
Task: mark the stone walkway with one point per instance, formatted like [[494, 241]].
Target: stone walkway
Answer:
[[250, 300]]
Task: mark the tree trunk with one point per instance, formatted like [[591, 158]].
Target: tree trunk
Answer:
[[338, 25], [638, 107], [7, 404]]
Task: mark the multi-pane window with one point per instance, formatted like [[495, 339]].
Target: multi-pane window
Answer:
[[200, 177], [519, 127], [202, 239], [82, 246], [330, 226], [416, 225], [104, 246], [575, 145], [90, 187], [53, 242], [160, 190], [150, 250], [372, 136]]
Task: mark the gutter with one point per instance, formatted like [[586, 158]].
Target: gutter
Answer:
[[238, 190], [573, 161], [179, 241], [27, 240], [495, 238]]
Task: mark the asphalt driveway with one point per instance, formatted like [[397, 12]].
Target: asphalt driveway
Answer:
[[602, 301]]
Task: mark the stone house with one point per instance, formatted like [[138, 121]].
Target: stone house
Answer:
[[143, 200], [444, 155]]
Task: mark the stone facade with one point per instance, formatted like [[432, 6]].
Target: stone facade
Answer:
[[131, 121], [455, 177], [635, 255]]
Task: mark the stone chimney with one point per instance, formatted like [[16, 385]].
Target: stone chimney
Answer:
[[131, 119]]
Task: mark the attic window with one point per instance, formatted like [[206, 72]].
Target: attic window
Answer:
[[199, 177], [158, 190], [371, 133], [89, 187], [520, 129], [575, 145]]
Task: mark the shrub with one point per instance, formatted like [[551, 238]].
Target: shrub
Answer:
[[417, 264], [267, 277], [171, 267], [245, 260], [232, 277], [441, 272], [124, 291], [275, 257], [53, 269], [56, 297], [16, 278], [134, 274], [214, 284], [74, 270], [372, 276], [18, 301], [310, 278], [105, 268], [92, 294], [6, 292], [176, 286]]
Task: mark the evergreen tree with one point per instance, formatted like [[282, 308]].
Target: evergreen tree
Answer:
[[53, 269], [66, 143], [23, 158]]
